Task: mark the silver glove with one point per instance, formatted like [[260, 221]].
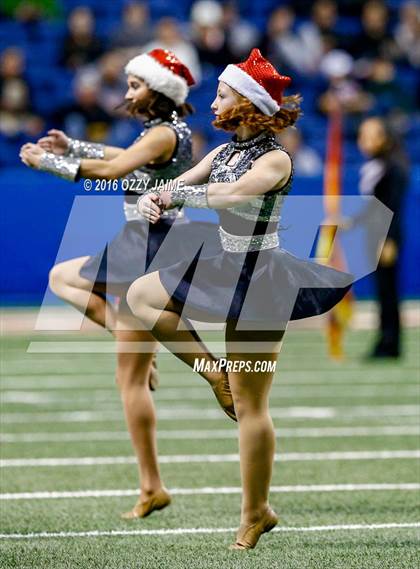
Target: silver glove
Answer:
[[190, 196], [66, 167], [82, 149]]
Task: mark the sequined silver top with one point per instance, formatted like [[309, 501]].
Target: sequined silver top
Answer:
[[150, 175], [261, 214]]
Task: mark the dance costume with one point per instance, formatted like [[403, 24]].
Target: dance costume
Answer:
[[251, 277], [134, 248], [130, 253]]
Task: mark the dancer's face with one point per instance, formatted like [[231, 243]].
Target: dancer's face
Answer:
[[226, 99], [138, 93]]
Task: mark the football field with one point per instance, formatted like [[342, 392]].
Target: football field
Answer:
[[346, 480]]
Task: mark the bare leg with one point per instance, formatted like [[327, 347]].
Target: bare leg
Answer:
[[133, 380], [66, 282], [152, 305], [133, 369], [250, 391]]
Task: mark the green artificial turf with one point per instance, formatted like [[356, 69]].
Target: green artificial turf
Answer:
[[40, 392]]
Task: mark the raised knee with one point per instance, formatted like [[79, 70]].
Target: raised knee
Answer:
[[56, 279], [135, 298]]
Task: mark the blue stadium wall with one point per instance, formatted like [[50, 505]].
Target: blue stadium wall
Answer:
[[35, 209]]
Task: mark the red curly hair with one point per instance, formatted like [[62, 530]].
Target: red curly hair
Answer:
[[246, 113]]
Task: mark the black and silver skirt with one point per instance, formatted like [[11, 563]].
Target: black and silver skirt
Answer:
[[269, 285]]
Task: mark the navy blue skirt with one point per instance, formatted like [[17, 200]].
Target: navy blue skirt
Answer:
[[270, 286]]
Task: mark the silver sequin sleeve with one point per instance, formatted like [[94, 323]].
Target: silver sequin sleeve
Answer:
[[66, 167], [190, 196], [83, 149]]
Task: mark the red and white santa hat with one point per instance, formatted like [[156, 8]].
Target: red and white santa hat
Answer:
[[257, 80], [163, 72]]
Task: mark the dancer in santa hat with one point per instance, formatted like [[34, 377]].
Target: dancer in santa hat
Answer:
[[158, 85], [251, 284]]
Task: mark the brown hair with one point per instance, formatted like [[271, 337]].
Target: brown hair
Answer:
[[246, 113], [159, 106]]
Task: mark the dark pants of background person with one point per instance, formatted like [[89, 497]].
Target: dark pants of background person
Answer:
[[387, 292]]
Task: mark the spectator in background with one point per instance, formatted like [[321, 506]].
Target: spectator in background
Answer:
[[208, 33], [16, 113], [81, 46], [407, 33], [135, 28], [319, 35], [287, 49], [16, 117], [12, 65], [112, 85], [343, 92], [168, 36], [324, 17], [306, 161], [375, 39], [22, 10], [385, 176], [241, 34], [86, 118], [382, 84], [30, 15]]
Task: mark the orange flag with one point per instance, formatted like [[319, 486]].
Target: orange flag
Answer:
[[328, 249]]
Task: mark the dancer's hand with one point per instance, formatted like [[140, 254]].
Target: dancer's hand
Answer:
[[56, 142], [30, 154], [149, 207]]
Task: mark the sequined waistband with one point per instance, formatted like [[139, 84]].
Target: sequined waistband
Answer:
[[244, 243], [132, 214]]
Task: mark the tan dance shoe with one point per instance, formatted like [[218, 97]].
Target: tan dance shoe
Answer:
[[224, 397], [248, 536], [157, 501], [154, 375]]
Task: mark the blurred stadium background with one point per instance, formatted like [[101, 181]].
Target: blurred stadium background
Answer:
[[347, 431]]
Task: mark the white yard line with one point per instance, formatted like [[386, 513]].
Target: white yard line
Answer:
[[54, 397], [314, 488], [188, 413], [319, 432], [209, 458], [194, 531], [104, 382], [216, 346]]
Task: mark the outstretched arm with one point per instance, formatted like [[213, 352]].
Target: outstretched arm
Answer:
[[269, 172], [157, 145], [60, 144]]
